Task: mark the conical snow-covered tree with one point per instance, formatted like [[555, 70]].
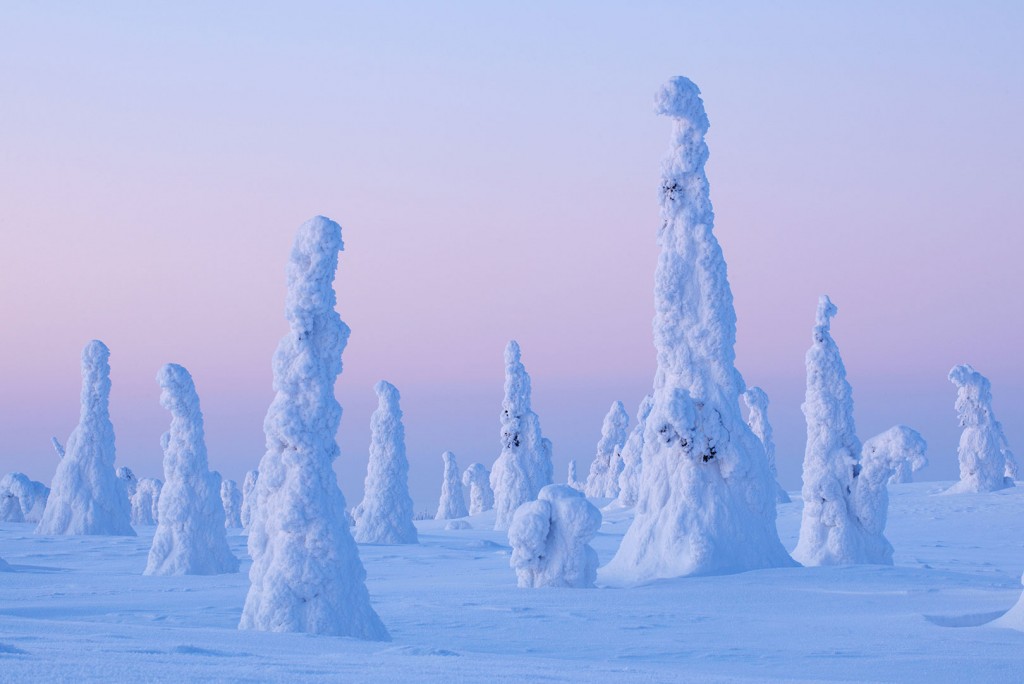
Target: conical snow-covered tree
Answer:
[[248, 489], [85, 496], [571, 477], [452, 503], [901, 445], [757, 401], [478, 480], [706, 502], [524, 466], [146, 501], [231, 498], [986, 462], [632, 453], [385, 515], [190, 537], [306, 575], [603, 481]]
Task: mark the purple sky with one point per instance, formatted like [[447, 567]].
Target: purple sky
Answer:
[[494, 170]]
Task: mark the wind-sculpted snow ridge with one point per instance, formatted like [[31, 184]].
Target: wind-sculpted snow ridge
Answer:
[[757, 402], [477, 479], [524, 466], [85, 496], [986, 462], [146, 501], [231, 499], [385, 514], [1012, 619], [306, 575], [248, 500], [603, 480], [453, 503], [190, 537], [901, 445], [706, 500], [31, 495], [550, 539], [632, 453]]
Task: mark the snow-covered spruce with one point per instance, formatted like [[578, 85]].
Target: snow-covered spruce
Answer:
[[986, 462], [632, 454], [453, 503], [248, 500], [128, 480], [757, 402], [550, 539], [603, 480], [706, 501], [478, 480], [571, 478], [10, 508], [524, 466], [146, 501], [385, 514], [231, 499], [190, 537], [306, 575], [31, 495], [85, 496], [903, 446]]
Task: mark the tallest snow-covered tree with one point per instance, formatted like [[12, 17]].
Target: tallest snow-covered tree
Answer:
[[706, 502]]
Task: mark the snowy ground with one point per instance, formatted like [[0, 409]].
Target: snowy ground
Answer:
[[78, 609]]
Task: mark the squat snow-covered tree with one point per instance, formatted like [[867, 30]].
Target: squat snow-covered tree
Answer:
[[231, 498], [550, 539], [632, 453], [306, 575], [146, 501], [248, 489], [706, 502], [85, 496], [757, 401], [10, 508], [478, 479], [603, 480], [190, 537], [453, 503], [31, 495], [524, 466], [986, 462], [903, 446]]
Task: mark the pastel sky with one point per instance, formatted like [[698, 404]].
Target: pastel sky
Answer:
[[494, 167]]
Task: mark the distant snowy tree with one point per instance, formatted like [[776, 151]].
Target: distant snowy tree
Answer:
[[902, 446], [706, 501], [524, 466], [571, 477], [306, 575], [385, 515], [231, 498], [550, 539], [146, 501], [632, 453], [128, 480], [603, 481], [10, 508], [986, 462], [477, 479], [248, 490], [58, 447], [757, 401], [31, 495], [452, 503], [86, 497]]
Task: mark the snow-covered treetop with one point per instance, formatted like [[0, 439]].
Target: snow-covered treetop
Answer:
[[974, 395], [178, 395], [614, 429], [517, 394], [823, 316], [680, 99]]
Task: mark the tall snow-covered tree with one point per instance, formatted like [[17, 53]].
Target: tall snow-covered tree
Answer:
[[903, 446], [986, 462], [757, 402], [478, 480], [85, 496], [190, 537], [524, 466], [550, 539], [306, 575], [706, 502], [146, 501], [632, 453], [231, 498], [248, 490], [603, 480], [452, 503]]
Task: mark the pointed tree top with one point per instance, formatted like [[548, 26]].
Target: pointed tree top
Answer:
[[512, 353], [826, 310]]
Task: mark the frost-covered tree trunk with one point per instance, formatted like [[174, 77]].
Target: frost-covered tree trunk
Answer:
[[385, 514], [524, 466], [231, 499], [603, 480], [901, 446], [478, 479], [85, 496], [452, 503], [757, 401], [146, 501], [706, 502], [306, 574], [190, 537], [248, 498], [986, 462], [632, 455], [550, 539]]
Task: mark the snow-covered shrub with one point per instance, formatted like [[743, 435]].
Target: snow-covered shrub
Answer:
[[477, 479], [757, 402], [903, 446], [452, 503], [306, 575], [986, 462], [524, 465], [231, 499], [603, 480], [85, 496], [31, 495], [146, 501], [550, 539], [248, 500], [632, 455]]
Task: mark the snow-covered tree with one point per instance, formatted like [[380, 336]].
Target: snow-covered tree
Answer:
[[306, 575], [572, 479], [128, 480], [10, 508], [603, 480], [85, 496], [31, 495], [146, 501], [757, 402], [550, 539], [524, 466], [706, 502], [632, 453], [452, 503], [248, 489], [190, 537], [904, 447], [478, 480], [385, 514], [986, 462], [231, 498]]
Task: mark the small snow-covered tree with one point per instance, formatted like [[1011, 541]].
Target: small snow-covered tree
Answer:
[[452, 503], [86, 497], [477, 479], [306, 575], [10, 508], [757, 402], [385, 514], [190, 537], [603, 480], [146, 501], [231, 498], [632, 455], [248, 500], [571, 478], [550, 539], [986, 462], [524, 466], [904, 447], [128, 480], [31, 495]]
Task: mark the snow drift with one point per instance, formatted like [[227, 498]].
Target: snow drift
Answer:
[[550, 539]]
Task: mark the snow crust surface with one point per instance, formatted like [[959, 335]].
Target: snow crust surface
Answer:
[[453, 503], [478, 479], [986, 462], [603, 479]]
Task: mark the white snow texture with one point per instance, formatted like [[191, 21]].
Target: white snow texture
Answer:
[[603, 480], [146, 501], [757, 401], [986, 462], [453, 503], [128, 480], [571, 478], [478, 479], [903, 446], [231, 499], [31, 497], [248, 498], [632, 455]]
